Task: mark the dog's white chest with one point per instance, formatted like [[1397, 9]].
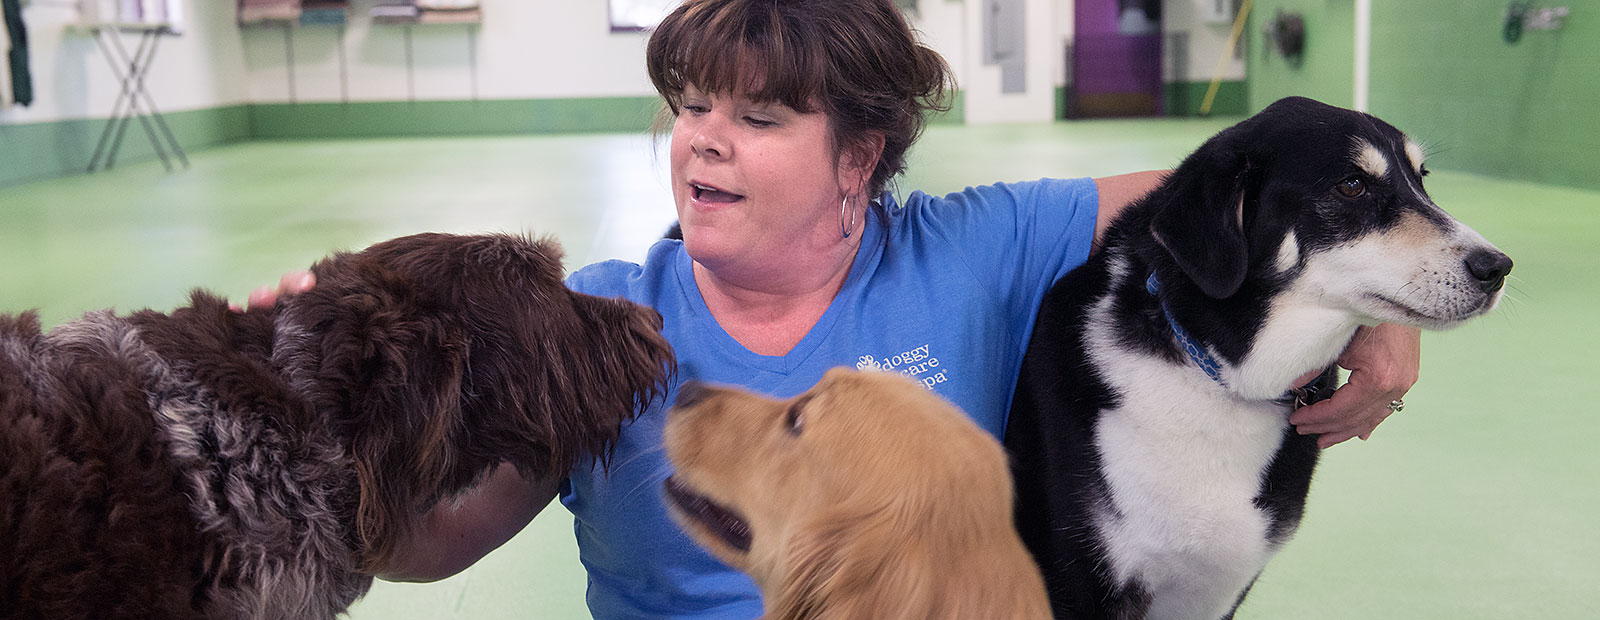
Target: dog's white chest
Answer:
[[1184, 463]]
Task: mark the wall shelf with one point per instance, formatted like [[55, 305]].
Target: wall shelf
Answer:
[[283, 13], [425, 12]]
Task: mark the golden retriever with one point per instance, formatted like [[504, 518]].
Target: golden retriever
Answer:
[[866, 497]]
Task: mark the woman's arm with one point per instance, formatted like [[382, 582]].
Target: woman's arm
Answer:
[[460, 531], [1117, 192], [1383, 360]]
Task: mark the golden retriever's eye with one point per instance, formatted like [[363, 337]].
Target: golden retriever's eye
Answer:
[[1352, 187], [794, 420]]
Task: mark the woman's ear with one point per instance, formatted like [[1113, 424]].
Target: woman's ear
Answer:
[[859, 160]]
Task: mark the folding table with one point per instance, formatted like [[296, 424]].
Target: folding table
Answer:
[[133, 102]]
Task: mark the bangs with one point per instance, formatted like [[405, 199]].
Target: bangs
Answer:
[[736, 49]]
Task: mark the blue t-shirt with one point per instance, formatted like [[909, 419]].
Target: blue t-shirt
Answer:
[[944, 291]]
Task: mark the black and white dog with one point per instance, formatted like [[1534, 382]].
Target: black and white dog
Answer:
[[1155, 466]]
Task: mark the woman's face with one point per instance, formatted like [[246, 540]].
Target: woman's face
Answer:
[[756, 184]]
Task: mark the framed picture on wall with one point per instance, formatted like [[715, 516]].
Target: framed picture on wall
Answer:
[[639, 15]]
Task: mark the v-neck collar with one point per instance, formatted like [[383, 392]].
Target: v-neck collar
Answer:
[[867, 256]]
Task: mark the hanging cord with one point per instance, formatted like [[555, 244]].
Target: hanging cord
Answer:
[[1222, 61]]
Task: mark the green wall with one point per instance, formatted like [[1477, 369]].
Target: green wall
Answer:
[[1442, 73], [1327, 71], [1530, 110]]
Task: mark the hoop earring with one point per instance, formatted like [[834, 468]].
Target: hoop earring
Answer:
[[846, 212]]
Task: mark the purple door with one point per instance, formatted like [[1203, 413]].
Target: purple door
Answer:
[[1116, 59]]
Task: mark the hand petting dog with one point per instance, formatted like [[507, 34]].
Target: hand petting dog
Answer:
[[1383, 362]]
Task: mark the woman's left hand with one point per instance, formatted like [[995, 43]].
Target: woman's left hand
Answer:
[[1383, 362]]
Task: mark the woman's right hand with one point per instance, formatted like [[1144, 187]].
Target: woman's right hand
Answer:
[[267, 295]]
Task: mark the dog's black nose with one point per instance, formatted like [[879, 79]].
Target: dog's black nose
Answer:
[[1490, 268], [691, 392]]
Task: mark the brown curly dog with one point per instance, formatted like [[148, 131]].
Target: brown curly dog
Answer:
[[212, 464]]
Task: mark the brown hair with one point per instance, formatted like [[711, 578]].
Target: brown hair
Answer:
[[857, 59]]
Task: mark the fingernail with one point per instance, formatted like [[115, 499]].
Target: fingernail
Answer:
[[303, 281]]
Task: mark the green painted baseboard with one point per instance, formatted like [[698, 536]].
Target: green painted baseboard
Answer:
[[39, 151], [1182, 99], [1185, 98], [46, 150], [453, 118]]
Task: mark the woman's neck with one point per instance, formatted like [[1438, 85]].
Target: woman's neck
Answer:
[[771, 314]]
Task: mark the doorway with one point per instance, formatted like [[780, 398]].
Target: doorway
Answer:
[[1115, 59]]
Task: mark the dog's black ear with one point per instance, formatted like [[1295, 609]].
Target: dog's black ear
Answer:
[[1199, 219]]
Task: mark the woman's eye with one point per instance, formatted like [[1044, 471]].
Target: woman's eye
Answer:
[[695, 108], [758, 122], [1352, 187], [794, 420]]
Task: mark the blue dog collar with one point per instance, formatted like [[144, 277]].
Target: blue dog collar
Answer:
[[1197, 353], [1296, 398]]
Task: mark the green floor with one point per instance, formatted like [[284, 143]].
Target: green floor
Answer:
[[1481, 500]]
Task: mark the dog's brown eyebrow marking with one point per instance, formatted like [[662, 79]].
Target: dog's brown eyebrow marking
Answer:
[[1414, 151], [1370, 159]]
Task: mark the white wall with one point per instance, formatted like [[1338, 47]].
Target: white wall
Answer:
[[524, 49], [1207, 41], [984, 101], [201, 68]]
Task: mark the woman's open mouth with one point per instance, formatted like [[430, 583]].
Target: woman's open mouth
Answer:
[[711, 195], [716, 519]]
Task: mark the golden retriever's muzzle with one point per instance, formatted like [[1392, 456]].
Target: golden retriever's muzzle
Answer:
[[718, 520], [696, 402]]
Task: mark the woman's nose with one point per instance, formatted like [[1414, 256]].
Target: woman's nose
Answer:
[[708, 141]]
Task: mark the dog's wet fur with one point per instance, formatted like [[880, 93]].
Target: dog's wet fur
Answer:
[[207, 463], [1146, 489]]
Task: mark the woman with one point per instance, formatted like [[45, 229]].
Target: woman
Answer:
[[789, 119]]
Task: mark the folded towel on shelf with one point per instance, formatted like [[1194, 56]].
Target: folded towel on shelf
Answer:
[[448, 5], [406, 13], [252, 11], [454, 16], [395, 10], [323, 17]]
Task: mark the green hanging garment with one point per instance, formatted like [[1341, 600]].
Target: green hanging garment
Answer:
[[21, 81]]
